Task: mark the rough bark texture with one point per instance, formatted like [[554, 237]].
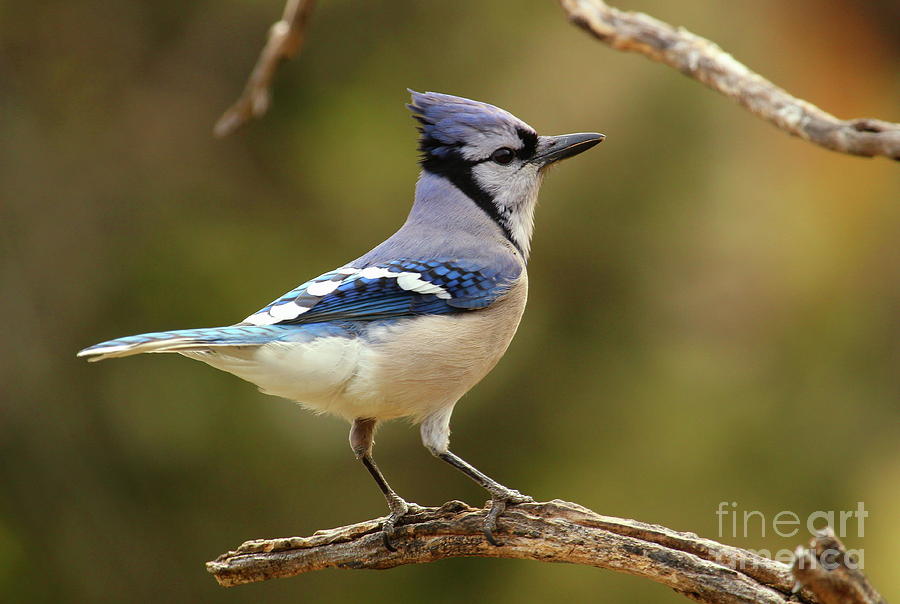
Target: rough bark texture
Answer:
[[705, 62], [285, 39], [831, 574], [556, 531]]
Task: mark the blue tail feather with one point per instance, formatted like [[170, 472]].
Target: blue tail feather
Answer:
[[166, 341]]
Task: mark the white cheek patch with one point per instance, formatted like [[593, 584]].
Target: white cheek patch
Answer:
[[514, 189]]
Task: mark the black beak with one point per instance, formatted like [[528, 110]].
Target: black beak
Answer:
[[555, 148]]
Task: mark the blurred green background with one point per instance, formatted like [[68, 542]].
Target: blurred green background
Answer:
[[713, 312]]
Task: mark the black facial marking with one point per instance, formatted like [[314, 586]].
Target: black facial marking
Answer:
[[450, 164], [529, 143]]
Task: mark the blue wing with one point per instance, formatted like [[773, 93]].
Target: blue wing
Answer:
[[397, 288]]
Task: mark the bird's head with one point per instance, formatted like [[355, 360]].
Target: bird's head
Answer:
[[492, 156]]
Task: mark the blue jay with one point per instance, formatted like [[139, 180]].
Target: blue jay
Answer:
[[408, 328]]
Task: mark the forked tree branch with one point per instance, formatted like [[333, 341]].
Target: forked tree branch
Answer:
[[556, 531], [705, 62], [285, 39]]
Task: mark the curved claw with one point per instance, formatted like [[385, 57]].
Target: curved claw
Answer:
[[499, 503], [399, 509], [498, 506], [387, 531]]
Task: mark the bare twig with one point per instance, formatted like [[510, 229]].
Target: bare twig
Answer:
[[831, 573], [693, 55], [285, 38], [556, 531], [704, 61]]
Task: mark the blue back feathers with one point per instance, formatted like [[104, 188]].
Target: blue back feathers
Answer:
[[393, 289], [334, 303]]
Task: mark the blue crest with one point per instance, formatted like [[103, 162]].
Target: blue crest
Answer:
[[448, 122]]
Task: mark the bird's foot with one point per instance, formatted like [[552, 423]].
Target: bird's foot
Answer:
[[500, 500], [399, 508]]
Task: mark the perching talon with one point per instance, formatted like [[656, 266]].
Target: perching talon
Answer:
[[499, 503]]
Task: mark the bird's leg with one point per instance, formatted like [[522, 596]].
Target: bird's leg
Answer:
[[501, 496], [361, 441], [435, 431]]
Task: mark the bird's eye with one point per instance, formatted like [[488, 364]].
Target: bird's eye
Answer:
[[503, 155]]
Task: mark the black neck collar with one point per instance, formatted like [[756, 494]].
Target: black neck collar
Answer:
[[458, 171]]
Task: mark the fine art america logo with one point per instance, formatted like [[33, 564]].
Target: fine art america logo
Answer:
[[737, 523]]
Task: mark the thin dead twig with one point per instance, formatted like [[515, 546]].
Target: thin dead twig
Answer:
[[285, 39], [705, 62]]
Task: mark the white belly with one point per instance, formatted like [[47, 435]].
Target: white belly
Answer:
[[407, 368]]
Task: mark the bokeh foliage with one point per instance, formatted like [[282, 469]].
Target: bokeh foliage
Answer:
[[713, 312]]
